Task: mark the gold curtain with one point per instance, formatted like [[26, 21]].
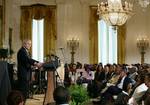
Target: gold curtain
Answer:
[[50, 31], [1, 26], [39, 11], [26, 23], [121, 44], [93, 36]]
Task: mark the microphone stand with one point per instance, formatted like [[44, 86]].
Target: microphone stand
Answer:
[[57, 76], [62, 51]]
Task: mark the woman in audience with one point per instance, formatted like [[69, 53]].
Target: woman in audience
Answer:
[[146, 97], [138, 91], [67, 80], [72, 73], [15, 98], [96, 86]]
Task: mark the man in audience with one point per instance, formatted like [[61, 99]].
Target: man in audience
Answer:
[[116, 75], [61, 96], [15, 98]]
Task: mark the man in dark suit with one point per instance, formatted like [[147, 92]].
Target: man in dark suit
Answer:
[[24, 67]]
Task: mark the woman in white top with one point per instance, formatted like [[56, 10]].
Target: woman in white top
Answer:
[[139, 91]]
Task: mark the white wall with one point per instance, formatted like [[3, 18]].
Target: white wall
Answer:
[[138, 25], [73, 20]]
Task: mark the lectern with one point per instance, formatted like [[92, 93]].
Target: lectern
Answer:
[[51, 84]]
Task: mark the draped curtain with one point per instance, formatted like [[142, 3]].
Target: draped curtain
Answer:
[[93, 37], [121, 44], [1, 26], [39, 11]]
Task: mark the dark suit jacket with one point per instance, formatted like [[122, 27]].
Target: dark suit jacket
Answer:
[[24, 64], [126, 82]]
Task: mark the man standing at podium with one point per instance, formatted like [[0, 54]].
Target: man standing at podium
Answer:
[[24, 67]]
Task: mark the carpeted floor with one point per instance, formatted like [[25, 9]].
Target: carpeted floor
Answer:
[[36, 100]]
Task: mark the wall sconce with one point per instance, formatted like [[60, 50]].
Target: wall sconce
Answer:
[[142, 44], [73, 44]]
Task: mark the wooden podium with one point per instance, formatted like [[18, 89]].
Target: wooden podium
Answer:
[[50, 88]]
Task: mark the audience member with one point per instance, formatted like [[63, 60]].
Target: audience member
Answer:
[[146, 97], [72, 73], [138, 91], [15, 98], [61, 96], [96, 86]]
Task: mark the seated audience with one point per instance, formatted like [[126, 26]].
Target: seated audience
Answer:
[[61, 96], [15, 98], [123, 84]]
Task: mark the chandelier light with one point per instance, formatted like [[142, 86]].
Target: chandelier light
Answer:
[[144, 3], [115, 12], [143, 45], [73, 44]]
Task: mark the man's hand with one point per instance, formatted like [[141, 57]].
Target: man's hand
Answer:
[[39, 65]]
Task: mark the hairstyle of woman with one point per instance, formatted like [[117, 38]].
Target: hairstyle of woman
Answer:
[[15, 98]]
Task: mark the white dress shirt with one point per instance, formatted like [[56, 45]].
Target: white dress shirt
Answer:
[[120, 85]]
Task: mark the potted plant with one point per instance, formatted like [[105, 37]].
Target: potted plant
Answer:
[[79, 95]]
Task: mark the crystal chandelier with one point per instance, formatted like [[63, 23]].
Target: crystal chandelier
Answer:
[[144, 3], [115, 12]]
